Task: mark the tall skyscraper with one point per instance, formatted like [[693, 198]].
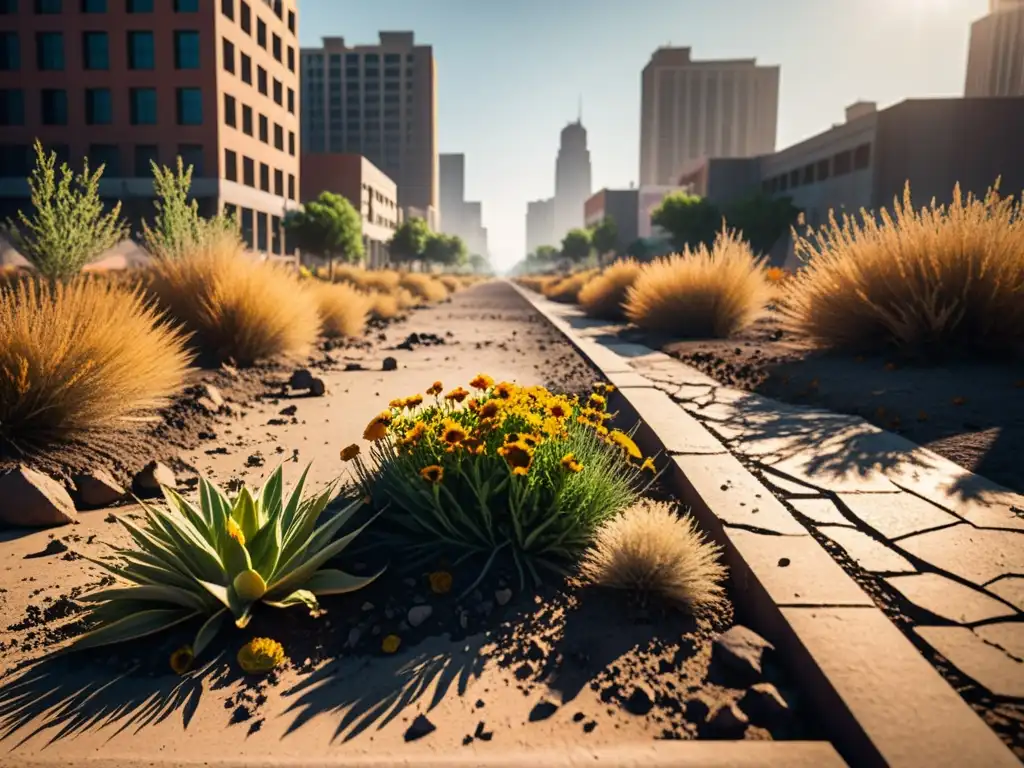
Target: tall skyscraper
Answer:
[[572, 179], [459, 217], [540, 224], [130, 82], [379, 101], [995, 61], [692, 109]]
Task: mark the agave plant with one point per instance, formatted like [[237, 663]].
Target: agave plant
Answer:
[[220, 559]]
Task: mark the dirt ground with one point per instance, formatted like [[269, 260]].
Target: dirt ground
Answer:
[[970, 413], [502, 668]]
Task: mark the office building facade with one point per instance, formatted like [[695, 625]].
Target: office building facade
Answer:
[[692, 109], [130, 82], [378, 101], [459, 216], [540, 224], [995, 59], [619, 205]]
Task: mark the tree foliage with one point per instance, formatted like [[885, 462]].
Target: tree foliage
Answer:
[[445, 250], [409, 241], [328, 227], [689, 220], [68, 228], [479, 264], [576, 245], [762, 220], [605, 236]]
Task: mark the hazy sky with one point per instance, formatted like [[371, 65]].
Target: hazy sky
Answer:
[[510, 72]]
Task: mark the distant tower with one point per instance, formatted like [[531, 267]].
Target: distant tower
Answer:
[[995, 61], [572, 178]]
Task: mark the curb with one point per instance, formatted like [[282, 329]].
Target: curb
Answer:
[[879, 700]]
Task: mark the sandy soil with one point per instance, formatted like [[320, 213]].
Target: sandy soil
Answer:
[[971, 413], [546, 669]]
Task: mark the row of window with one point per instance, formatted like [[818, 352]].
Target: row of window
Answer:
[[253, 225], [17, 160], [354, 59], [245, 17], [99, 106], [840, 164], [140, 49], [353, 74], [96, 6], [244, 71], [248, 175], [231, 118]]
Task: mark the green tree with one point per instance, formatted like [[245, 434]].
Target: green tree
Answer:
[[576, 245], [637, 249], [762, 220], [68, 228], [546, 254], [605, 236], [444, 250], [177, 227], [409, 241], [327, 227], [479, 264], [689, 220]]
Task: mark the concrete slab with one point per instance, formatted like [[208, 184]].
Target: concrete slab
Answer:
[[990, 667], [821, 511], [1011, 589], [870, 554], [910, 714], [896, 514], [624, 379], [974, 554], [1007, 635], [677, 430], [734, 495], [795, 570], [833, 471], [690, 391], [949, 599]]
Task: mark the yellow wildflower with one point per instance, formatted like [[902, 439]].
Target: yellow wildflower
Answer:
[[490, 409], [261, 654], [398, 402], [452, 432], [432, 474], [413, 401], [558, 410], [625, 442], [415, 433], [570, 463], [505, 390], [518, 456], [390, 643], [435, 388], [349, 453], [482, 381], [378, 428], [597, 402], [648, 464], [474, 445], [458, 395], [440, 582], [181, 660], [235, 532]]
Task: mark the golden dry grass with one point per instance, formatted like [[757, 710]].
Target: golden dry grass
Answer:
[[424, 287], [605, 295], [566, 290], [384, 306], [451, 282], [651, 550], [384, 280], [238, 309], [81, 356], [941, 280], [704, 293], [343, 310], [533, 282]]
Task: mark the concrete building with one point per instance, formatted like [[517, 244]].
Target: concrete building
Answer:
[[692, 109], [572, 179], [540, 224], [127, 82], [459, 216], [379, 101], [995, 61], [620, 205], [363, 184]]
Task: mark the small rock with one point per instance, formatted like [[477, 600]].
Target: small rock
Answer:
[[318, 388], [33, 500], [367, 606], [289, 410], [97, 489], [727, 722], [353, 637], [301, 379], [155, 474], [389, 364], [214, 395], [54, 547], [482, 734], [420, 727], [542, 710], [208, 405], [354, 366], [765, 705], [503, 596], [640, 699], [418, 614], [742, 651]]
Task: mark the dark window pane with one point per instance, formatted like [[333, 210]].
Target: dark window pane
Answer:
[[145, 156], [261, 33], [246, 69], [264, 129], [140, 50], [94, 6], [247, 120], [246, 20], [12, 106], [291, 22], [261, 231], [230, 165], [8, 6], [95, 54], [47, 6], [227, 7], [143, 106], [278, 137], [275, 46], [190, 106], [291, 101], [15, 160], [49, 50], [186, 49], [186, 6], [246, 226], [54, 102], [228, 54], [10, 52], [192, 155], [139, 6], [278, 92], [291, 58], [291, 143], [229, 110], [278, 182], [107, 155], [98, 106], [264, 177], [248, 172], [261, 80]]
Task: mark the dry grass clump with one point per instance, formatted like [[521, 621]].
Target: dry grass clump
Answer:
[[533, 282], [237, 308], [342, 309], [384, 280], [604, 296], [567, 289], [79, 356], [424, 287], [452, 283], [651, 550], [704, 293], [939, 281], [384, 306]]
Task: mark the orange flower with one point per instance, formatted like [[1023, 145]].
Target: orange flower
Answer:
[[412, 402], [390, 643], [625, 442], [452, 432], [458, 395], [435, 388], [416, 433], [347, 454], [558, 410], [504, 390], [378, 428], [482, 381], [441, 582], [518, 456], [596, 402], [474, 445], [432, 474], [398, 402], [490, 409], [570, 464]]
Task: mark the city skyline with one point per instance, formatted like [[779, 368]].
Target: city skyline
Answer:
[[505, 111]]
